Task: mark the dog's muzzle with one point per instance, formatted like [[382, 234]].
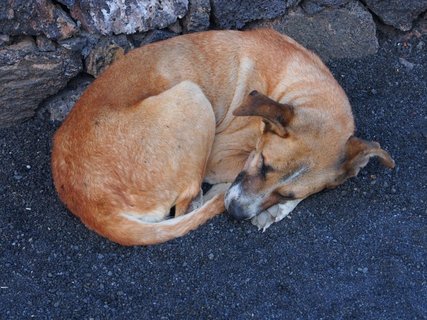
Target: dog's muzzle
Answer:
[[237, 211], [239, 205]]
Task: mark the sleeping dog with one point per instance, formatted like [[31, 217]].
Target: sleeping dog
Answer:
[[251, 108]]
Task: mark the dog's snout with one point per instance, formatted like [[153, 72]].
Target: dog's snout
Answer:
[[240, 205], [236, 210]]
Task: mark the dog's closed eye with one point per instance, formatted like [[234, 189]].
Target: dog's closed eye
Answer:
[[265, 168], [287, 196]]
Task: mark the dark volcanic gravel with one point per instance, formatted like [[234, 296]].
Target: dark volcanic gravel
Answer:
[[356, 252]]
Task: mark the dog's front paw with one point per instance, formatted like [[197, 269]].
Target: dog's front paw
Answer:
[[265, 218], [274, 214]]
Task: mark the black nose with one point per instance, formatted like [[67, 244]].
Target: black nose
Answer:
[[236, 211]]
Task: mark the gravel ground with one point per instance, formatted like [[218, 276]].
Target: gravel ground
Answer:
[[356, 252]]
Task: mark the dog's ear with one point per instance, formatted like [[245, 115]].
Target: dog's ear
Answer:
[[358, 153], [276, 115]]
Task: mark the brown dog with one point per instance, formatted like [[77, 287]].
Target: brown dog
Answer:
[[143, 137]]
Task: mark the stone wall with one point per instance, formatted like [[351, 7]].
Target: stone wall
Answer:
[[50, 50]]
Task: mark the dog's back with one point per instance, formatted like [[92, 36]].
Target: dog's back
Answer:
[[209, 59]]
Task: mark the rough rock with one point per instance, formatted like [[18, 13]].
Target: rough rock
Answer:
[[175, 27], [105, 52], [45, 44], [127, 16], [41, 17], [59, 105], [398, 13], [198, 16], [141, 39], [68, 3], [74, 43], [315, 6], [235, 13], [28, 76], [346, 32], [4, 40]]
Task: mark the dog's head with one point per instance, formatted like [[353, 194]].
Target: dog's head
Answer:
[[299, 152]]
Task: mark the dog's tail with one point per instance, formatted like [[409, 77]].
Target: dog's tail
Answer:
[[130, 232]]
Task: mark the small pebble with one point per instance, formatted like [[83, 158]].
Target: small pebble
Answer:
[[364, 270], [17, 176], [408, 65], [420, 45]]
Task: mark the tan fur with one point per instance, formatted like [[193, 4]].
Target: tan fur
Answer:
[[159, 121]]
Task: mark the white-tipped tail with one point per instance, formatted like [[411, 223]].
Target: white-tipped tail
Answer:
[[131, 232]]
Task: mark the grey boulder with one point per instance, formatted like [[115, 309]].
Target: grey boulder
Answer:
[[28, 76]]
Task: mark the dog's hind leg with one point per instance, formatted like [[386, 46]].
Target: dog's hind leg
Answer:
[[189, 204], [186, 130], [201, 198], [197, 202], [179, 127]]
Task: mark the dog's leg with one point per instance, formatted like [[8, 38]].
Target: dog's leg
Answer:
[[194, 198], [274, 214], [216, 189], [190, 203], [197, 202], [201, 198], [182, 207]]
